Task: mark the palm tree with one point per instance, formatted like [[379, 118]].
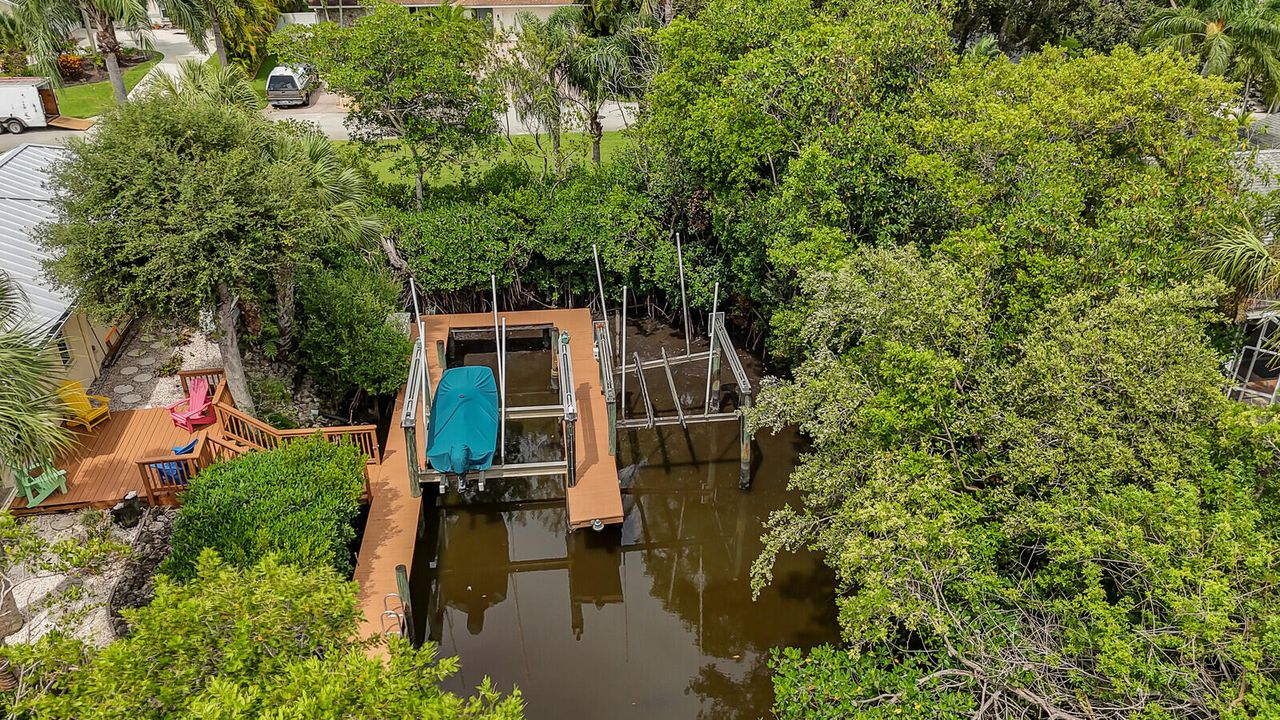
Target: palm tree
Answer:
[[222, 84], [47, 23], [1243, 252], [233, 17], [31, 414], [345, 218], [555, 62], [341, 194], [599, 69], [534, 72], [1239, 39]]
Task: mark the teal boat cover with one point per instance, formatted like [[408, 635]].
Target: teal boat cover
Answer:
[[463, 434]]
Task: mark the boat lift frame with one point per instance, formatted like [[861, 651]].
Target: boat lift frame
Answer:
[[416, 410], [613, 383], [721, 350]]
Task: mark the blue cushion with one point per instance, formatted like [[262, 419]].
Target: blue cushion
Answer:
[[171, 473]]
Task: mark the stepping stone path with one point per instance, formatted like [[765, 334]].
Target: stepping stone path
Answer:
[[131, 399], [156, 345], [122, 389], [146, 361], [148, 337], [129, 370], [136, 353], [143, 378]]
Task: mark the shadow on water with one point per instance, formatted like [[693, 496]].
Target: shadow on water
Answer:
[[652, 619]]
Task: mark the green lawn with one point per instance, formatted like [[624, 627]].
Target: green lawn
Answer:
[[83, 101], [260, 80], [579, 144]]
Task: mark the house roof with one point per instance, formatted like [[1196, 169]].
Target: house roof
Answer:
[[25, 202], [1264, 132]]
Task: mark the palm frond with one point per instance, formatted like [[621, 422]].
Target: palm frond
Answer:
[[1238, 254]]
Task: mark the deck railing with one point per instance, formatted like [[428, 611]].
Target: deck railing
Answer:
[[243, 429], [233, 434], [214, 376], [164, 475]]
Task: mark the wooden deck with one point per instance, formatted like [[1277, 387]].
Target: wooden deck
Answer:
[[101, 469], [597, 495], [391, 531]]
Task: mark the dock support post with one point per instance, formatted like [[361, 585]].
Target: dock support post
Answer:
[[570, 452], [406, 604], [555, 359], [440, 359], [744, 467], [622, 356], [612, 406], [684, 299]]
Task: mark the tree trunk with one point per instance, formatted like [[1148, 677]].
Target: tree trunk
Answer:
[[219, 43], [229, 345], [596, 129], [286, 283], [88, 30], [117, 77], [1244, 104], [10, 618], [109, 46]]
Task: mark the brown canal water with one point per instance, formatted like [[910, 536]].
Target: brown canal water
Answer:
[[650, 619]]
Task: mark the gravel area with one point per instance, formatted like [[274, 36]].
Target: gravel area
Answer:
[[76, 602], [134, 380]]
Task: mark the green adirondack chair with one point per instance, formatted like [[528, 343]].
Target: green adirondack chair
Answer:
[[37, 483]]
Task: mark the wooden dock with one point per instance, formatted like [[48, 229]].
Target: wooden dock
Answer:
[[102, 468], [596, 495], [390, 533]]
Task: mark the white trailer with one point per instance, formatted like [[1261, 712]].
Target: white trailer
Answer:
[[27, 102]]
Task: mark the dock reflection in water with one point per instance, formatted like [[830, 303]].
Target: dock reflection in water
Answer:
[[651, 620]]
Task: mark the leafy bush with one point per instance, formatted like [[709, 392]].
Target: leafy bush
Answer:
[[348, 339], [298, 502], [271, 641], [829, 683], [71, 66], [538, 236]]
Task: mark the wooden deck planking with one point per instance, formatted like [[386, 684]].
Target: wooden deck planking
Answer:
[[391, 531], [101, 467], [597, 495]]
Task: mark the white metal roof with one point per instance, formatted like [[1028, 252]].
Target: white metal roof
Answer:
[[24, 204]]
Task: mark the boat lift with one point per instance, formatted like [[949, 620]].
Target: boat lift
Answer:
[[721, 351], [417, 410], [614, 374]]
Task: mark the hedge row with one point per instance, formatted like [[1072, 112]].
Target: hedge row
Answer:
[[297, 502]]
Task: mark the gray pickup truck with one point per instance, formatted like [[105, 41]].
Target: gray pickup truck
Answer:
[[289, 86]]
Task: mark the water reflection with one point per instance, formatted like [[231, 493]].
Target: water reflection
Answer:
[[653, 619]]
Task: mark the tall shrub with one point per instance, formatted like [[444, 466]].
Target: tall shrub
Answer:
[[271, 641], [297, 502], [349, 340]]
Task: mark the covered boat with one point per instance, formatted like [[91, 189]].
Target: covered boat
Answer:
[[463, 433]]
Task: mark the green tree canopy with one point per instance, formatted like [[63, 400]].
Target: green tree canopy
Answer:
[[271, 641], [176, 207], [419, 77], [1071, 520]]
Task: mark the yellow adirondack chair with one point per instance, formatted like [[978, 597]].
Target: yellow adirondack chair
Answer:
[[86, 410]]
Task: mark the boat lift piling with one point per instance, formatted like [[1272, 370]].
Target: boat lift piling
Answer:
[[720, 347]]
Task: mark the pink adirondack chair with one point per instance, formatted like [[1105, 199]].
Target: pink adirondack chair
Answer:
[[199, 407]]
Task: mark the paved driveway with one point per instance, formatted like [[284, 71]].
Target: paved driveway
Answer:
[[324, 110]]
